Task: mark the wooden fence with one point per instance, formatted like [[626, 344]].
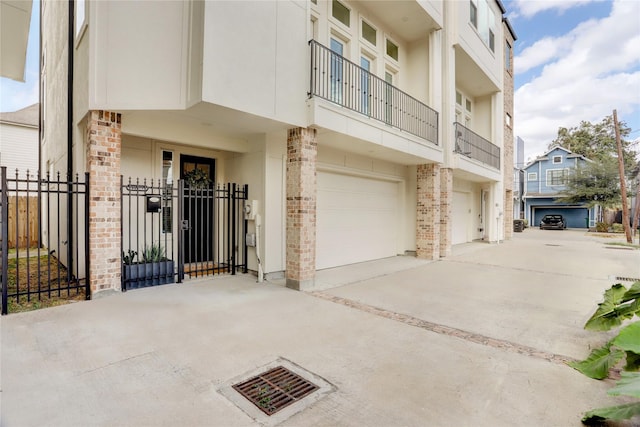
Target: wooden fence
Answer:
[[23, 223]]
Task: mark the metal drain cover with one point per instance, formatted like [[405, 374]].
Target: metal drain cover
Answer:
[[275, 389]]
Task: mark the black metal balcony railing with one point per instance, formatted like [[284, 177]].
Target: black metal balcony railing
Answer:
[[474, 146], [342, 82]]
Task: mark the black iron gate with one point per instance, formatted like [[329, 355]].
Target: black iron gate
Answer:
[[44, 235], [171, 232]]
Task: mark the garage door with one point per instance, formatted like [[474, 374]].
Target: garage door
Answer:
[[460, 218], [575, 217], [357, 219]]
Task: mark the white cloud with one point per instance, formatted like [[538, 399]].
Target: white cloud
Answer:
[[529, 8], [586, 74]]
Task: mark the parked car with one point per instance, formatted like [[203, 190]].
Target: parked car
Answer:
[[554, 221]]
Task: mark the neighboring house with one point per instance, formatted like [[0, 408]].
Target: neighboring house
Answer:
[[545, 179], [364, 130], [19, 141]]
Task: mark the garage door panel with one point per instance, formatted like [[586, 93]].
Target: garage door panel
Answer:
[[460, 217], [356, 219], [575, 217]]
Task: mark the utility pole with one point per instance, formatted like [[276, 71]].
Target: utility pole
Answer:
[[623, 185]]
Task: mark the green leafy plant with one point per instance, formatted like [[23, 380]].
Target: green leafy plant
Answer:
[[129, 257], [153, 253], [619, 305]]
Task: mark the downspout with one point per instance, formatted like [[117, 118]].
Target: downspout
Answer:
[[70, 48]]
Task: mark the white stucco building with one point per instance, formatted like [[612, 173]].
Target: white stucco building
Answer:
[[364, 129]]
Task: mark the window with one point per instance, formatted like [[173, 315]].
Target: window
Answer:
[[473, 13], [368, 33], [557, 177], [458, 98], [507, 56], [483, 19], [468, 105], [508, 119], [392, 49], [167, 181], [79, 17], [336, 71], [532, 176], [557, 159], [365, 64], [314, 1], [341, 12]]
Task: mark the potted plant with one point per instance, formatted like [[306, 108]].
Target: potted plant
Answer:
[[153, 269]]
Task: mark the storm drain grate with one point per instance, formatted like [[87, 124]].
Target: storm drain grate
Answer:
[[275, 389]]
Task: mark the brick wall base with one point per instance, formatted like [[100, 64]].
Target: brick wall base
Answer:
[[428, 212], [302, 150], [104, 138]]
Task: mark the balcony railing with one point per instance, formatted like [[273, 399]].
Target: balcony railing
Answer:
[[472, 145], [344, 83]]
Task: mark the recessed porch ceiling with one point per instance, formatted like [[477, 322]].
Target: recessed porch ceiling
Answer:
[[407, 18], [340, 141], [470, 77]]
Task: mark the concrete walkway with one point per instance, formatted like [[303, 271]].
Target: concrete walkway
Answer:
[[478, 339]]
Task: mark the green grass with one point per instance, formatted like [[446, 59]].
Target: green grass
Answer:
[[23, 270]]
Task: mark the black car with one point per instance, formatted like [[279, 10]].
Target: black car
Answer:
[[553, 222]]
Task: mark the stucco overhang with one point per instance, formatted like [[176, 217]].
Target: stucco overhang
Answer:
[[15, 18]]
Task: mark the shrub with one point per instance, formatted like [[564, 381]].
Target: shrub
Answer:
[[602, 227], [617, 228]]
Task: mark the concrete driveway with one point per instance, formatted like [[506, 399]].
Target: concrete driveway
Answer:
[[478, 339]]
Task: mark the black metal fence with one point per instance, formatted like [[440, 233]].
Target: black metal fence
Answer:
[[472, 145], [342, 82], [44, 238], [172, 231]]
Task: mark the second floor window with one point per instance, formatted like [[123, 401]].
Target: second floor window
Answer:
[[557, 177], [341, 12], [482, 17]]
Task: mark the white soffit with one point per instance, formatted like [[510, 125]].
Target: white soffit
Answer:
[[15, 18]]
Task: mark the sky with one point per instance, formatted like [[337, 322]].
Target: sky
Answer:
[[574, 60]]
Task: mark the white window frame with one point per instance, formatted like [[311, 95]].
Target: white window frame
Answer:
[[549, 178], [388, 39], [532, 176], [556, 160], [336, 20], [362, 22]]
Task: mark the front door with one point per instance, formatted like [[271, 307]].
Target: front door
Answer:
[[199, 194]]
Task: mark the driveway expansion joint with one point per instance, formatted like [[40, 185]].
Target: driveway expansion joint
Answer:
[[447, 330]]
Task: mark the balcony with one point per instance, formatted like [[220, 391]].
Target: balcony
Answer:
[[344, 83], [472, 145]]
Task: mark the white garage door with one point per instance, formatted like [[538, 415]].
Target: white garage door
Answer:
[[357, 219], [460, 217]]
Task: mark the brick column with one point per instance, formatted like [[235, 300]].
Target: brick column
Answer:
[[446, 197], [302, 151], [428, 212], [103, 164]]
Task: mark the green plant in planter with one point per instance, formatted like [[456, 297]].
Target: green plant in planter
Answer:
[[129, 257], [620, 304], [197, 178], [153, 253]]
